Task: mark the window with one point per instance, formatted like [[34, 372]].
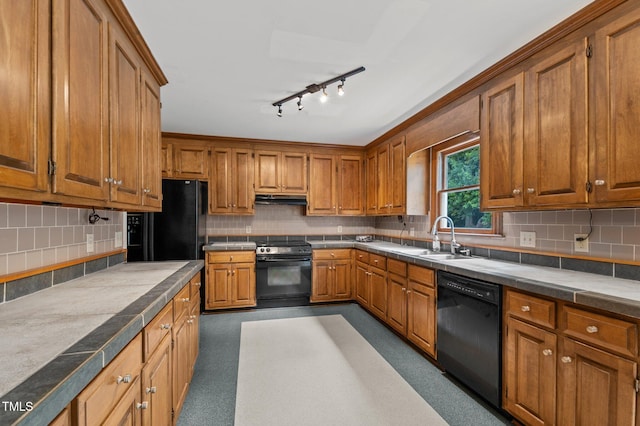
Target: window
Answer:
[[456, 192]]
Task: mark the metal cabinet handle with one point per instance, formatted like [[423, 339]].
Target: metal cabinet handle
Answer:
[[142, 405], [189, 321], [404, 289], [566, 359], [108, 180], [517, 191], [525, 308], [531, 190], [118, 182], [599, 182], [592, 329], [185, 299], [123, 379], [547, 352], [152, 389], [165, 326]]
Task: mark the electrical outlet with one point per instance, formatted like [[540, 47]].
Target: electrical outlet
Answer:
[[247, 229], [580, 246], [527, 239], [90, 243], [412, 232], [118, 241], [339, 229]]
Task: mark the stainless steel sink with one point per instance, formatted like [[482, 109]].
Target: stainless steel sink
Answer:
[[443, 256]]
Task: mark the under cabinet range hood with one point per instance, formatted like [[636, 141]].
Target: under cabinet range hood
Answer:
[[294, 200]]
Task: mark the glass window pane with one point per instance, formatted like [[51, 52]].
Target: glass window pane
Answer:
[[463, 207], [463, 168]]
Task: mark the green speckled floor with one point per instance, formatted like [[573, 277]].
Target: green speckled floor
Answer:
[[211, 398]]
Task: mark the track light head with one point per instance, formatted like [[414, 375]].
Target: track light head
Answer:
[[279, 110], [341, 88], [300, 106], [324, 97]]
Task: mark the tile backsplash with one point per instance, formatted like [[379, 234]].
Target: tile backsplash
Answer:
[[33, 236]]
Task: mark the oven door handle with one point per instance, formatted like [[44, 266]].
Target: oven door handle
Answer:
[[306, 259]]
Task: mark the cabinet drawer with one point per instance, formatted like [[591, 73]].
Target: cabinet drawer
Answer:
[[155, 331], [362, 256], [611, 333], [330, 254], [181, 303], [99, 398], [424, 276], [397, 267], [231, 256], [377, 261], [531, 308]]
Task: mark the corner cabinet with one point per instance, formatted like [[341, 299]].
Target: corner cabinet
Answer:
[[231, 187], [332, 275], [386, 178], [231, 279], [336, 185]]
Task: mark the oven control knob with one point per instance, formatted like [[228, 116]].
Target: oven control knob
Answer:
[[262, 250], [268, 250]]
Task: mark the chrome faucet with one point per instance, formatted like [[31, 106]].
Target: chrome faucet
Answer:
[[434, 231]]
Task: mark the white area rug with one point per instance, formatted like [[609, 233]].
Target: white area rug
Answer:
[[320, 371]]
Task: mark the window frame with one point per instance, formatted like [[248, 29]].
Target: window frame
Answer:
[[437, 155]]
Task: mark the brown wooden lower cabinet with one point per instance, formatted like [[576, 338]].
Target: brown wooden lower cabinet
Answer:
[[146, 383], [331, 275], [421, 308], [553, 377], [231, 280]]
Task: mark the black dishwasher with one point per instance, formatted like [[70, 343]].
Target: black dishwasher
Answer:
[[469, 333]]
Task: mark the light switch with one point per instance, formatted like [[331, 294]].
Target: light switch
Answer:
[[527, 239]]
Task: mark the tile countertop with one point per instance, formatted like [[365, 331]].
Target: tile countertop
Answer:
[[616, 295], [231, 246], [61, 337]]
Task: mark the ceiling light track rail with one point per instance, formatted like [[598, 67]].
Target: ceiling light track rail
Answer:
[[316, 87]]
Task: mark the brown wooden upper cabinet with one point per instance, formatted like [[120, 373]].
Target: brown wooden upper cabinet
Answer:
[[231, 184], [534, 141], [281, 172], [617, 109], [336, 185], [190, 161], [386, 178], [83, 122]]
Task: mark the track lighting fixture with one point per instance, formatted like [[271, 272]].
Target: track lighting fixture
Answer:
[[313, 88]]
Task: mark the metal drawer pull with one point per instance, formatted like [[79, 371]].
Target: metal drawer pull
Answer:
[[525, 308], [547, 352], [124, 379], [142, 405], [185, 299], [599, 182], [566, 359], [152, 389], [165, 326], [592, 329]]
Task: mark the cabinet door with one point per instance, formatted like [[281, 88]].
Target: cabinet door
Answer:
[[384, 203], [350, 185], [25, 93], [218, 288], [243, 292], [371, 183], [221, 184], [194, 336], [294, 172], [190, 162], [267, 170], [421, 316], [595, 387], [322, 185], [180, 355], [151, 137], [129, 410], [617, 61], [166, 159], [529, 373], [556, 140], [124, 120], [378, 301], [156, 386], [501, 144], [363, 285], [342, 279], [242, 177], [397, 298], [322, 280], [80, 99], [397, 186]]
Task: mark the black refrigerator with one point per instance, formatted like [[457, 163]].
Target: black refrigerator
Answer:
[[176, 233]]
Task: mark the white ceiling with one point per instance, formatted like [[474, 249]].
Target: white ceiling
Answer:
[[228, 61]]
